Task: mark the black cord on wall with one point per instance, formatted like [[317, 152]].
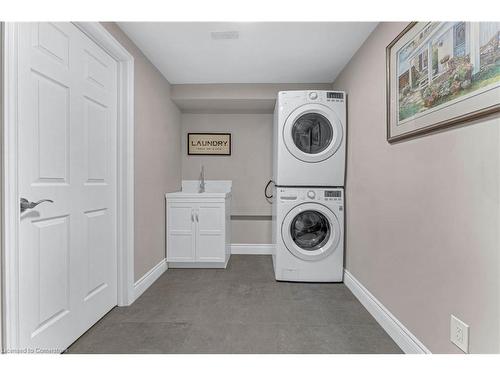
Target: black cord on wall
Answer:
[[265, 190]]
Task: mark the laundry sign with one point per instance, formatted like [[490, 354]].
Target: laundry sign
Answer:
[[209, 144]]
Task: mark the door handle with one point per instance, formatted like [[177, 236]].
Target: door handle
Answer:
[[27, 205]]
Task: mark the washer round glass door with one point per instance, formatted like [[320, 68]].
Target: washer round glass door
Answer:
[[312, 133], [311, 231]]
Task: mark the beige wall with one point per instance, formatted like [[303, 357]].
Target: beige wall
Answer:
[[422, 215], [157, 155], [251, 230], [249, 167]]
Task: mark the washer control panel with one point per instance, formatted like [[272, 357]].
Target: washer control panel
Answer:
[[333, 194], [310, 194]]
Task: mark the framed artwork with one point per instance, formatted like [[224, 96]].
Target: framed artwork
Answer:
[[440, 74], [209, 144]]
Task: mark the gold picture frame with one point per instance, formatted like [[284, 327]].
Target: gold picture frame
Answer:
[[440, 74]]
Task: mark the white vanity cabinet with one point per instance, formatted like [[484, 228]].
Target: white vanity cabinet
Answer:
[[198, 228]]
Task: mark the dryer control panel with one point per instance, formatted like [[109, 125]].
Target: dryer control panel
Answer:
[[312, 96], [335, 96]]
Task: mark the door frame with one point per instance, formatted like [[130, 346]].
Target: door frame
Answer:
[[10, 190]]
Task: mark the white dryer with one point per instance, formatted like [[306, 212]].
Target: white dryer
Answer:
[[309, 138], [308, 230]]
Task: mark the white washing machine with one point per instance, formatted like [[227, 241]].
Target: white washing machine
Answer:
[[308, 230], [309, 138]]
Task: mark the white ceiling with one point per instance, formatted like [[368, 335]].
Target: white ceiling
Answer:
[[265, 52]]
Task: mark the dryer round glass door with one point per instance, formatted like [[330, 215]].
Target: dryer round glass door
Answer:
[[311, 231], [312, 133]]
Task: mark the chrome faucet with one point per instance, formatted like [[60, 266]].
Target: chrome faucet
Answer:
[[202, 180]]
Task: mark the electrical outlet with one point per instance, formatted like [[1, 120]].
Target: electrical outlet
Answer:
[[459, 334]]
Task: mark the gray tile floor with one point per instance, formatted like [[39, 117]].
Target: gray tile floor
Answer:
[[238, 310]]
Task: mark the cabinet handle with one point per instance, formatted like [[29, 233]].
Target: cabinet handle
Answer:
[[192, 215], [197, 216]]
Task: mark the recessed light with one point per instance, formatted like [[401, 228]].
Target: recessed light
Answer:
[[224, 35]]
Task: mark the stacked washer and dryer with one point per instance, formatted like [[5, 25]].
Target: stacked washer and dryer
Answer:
[[308, 174]]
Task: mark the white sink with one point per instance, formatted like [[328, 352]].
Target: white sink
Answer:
[[213, 189]]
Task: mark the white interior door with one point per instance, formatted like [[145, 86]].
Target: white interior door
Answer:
[[67, 153]]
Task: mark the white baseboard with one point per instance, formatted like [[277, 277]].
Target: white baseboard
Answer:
[[141, 285], [249, 248], [394, 328]]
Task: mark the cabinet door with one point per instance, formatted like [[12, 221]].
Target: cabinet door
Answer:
[[181, 233], [210, 244]]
